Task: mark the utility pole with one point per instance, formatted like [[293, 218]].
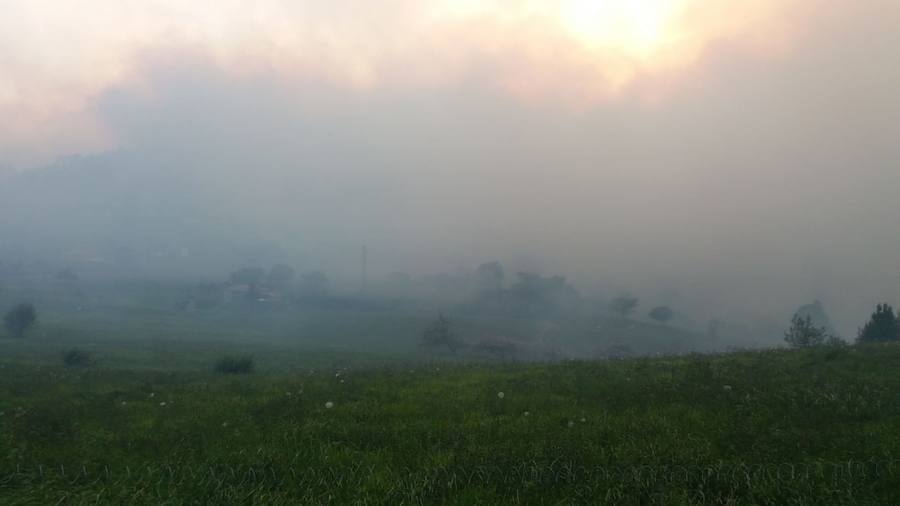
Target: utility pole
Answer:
[[365, 273]]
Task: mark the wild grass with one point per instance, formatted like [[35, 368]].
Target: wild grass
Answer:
[[775, 427]]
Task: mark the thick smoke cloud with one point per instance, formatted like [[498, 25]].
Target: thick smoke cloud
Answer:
[[743, 184]]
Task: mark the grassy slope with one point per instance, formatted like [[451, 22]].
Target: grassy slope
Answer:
[[751, 428]]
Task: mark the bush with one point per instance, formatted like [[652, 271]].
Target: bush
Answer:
[[19, 319], [76, 358], [662, 314], [234, 365]]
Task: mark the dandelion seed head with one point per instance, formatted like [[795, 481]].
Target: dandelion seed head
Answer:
[[329, 405], [501, 395]]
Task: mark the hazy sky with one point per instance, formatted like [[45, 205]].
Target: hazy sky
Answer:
[[743, 149], [57, 57]]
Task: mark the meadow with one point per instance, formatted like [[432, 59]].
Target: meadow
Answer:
[[149, 422]]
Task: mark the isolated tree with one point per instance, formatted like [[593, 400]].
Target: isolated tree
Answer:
[[248, 276], [498, 347], [489, 277], [440, 333], [76, 358], [624, 305], [205, 296], [234, 365], [66, 275], [618, 352], [662, 314], [883, 326], [281, 275], [539, 296], [314, 285], [399, 279], [804, 333], [19, 319], [816, 312]]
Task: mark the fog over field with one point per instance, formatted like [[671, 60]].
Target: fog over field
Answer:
[[283, 252], [734, 169]]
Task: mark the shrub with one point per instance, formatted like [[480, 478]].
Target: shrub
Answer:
[[76, 358], [234, 365], [19, 319], [883, 326], [662, 314]]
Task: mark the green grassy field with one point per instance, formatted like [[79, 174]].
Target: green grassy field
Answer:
[[774, 427]]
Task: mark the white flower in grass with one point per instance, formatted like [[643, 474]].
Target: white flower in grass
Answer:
[[224, 424], [571, 424], [727, 388], [152, 395], [501, 395], [163, 404], [329, 405], [527, 413]]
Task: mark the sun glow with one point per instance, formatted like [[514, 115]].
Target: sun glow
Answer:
[[634, 28], [59, 59]]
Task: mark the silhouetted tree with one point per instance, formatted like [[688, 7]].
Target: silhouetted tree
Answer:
[[883, 326], [489, 277], [234, 365], [76, 358], [816, 313], [281, 275], [499, 347], [314, 285], [618, 352], [440, 333], [248, 276], [19, 319], [662, 314], [205, 296], [66, 275], [534, 295], [624, 305], [803, 333]]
